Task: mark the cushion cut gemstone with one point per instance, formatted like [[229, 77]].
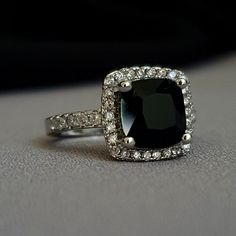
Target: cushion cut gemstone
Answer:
[[153, 113]]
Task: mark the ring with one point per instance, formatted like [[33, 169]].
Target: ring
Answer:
[[146, 114]]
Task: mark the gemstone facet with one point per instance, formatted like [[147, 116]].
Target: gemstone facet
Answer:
[[153, 113]]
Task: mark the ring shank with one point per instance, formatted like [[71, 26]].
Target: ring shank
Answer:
[[78, 133], [80, 124]]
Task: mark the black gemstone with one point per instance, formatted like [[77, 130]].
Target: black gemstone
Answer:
[[153, 113]]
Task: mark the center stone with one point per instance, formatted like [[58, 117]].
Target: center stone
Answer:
[[153, 113]]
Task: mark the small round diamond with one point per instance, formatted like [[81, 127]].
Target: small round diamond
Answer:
[[186, 147], [112, 139], [147, 155], [179, 151], [156, 155], [174, 152], [136, 155], [193, 117], [124, 154], [189, 131], [162, 73], [109, 81], [188, 111], [115, 152], [108, 92], [167, 154], [152, 72], [85, 120], [186, 101], [90, 119], [97, 119], [111, 128], [113, 77], [189, 123], [118, 76], [188, 95], [109, 115], [59, 122], [73, 120], [172, 75], [140, 73], [109, 103], [185, 90], [128, 73]]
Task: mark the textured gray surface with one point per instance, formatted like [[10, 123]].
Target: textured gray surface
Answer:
[[73, 187]]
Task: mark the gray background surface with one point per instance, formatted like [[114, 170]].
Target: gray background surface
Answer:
[[73, 187]]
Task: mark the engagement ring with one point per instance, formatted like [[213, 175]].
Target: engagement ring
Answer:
[[146, 114]]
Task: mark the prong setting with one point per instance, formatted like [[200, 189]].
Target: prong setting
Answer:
[[125, 86], [186, 138], [129, 141], [181, 83]]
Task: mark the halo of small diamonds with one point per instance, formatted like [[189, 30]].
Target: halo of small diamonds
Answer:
[[111, 114]]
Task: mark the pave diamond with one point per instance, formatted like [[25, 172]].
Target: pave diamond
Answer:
[[188, 111], [186, 101], [58, 123], [186, 147], [185, 90], [109, 103], [167, 153], [147, 155], [153, 113], [124, 154], [90, 118], [109, 81], [112, 139], [128, 73], [113, 77], [109, 115], [174, 152], [162, 73], [141, 72], [188, 123], [172, 75], [115, 151], [85, 119], [111, 127], [156, 155], [74, 120], [152, 72], [108, 92], [97, 118], [136, 155]]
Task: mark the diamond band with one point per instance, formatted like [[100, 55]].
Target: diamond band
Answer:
[[147, 114], [75, 122]]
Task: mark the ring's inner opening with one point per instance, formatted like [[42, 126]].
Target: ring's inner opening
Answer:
[[81, 132]]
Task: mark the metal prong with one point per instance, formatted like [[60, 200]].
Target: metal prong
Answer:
[[181, 83], [125, 86], [129, 141], [186, 138]]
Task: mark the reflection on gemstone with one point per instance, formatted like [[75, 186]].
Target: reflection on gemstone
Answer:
[[153, 113]]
